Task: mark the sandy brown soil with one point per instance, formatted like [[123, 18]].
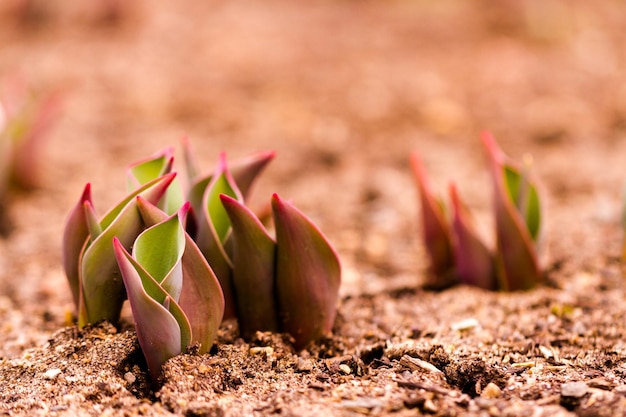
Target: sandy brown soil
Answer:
[[343, 91]]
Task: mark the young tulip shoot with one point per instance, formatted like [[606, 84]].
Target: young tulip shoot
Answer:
[[254, 253], [454, 246], [474, 261], [436, 230], [185, 267], [308, 275], [93, 270], [518, 221], [155, 276]]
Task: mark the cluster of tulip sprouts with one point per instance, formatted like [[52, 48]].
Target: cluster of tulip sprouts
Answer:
[[456, 252], [187, 257]]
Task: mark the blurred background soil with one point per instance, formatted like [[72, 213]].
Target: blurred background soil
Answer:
[[343, 91]]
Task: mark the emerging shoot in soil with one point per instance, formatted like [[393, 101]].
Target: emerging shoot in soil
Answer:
[[456, 252], [25, 118], [187, 258]]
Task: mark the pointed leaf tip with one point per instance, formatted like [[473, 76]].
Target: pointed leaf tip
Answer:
[[517, 261], [162, 328], [253, 270], [75, 235], [435, 229], [308, 275], [474, 262]]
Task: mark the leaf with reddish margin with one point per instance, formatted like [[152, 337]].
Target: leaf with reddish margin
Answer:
[[102, 290], [308, 275], [517, 263], [253, 270], [436, 232], [156, 166], [75, 234], [201, 297], [246, 170], [162, 328], [150, 168], [214, 230], [474, 262]]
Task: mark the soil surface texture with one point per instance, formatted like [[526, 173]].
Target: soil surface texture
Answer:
[[343, 91]]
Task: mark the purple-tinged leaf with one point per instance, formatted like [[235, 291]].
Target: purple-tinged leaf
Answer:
[[214, 230], [201, 297], [152, 191], [253, 271], [246, 170], [190, 161], [436, 232], [308, 275], [162, 328], [102, 290], [75, 235], [517, 263], [474, 262], [93, 225]]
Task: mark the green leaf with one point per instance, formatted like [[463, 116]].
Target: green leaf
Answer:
[[253, 271], [308, 275], [201, 296], [159, 249], [102, 291], [436, 232], [162, 328], [91, 218], [525, 197], [517, 261], [152, 190], [214, 229], [148, 169], [156, 166]]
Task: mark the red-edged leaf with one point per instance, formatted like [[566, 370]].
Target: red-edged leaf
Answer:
[[246, 170], [253, 270], [436, 232], [214, 230], [102, 290], [201, 297], [162, 328], [518, 267], [474, 262], [308, 275], [75, 234]]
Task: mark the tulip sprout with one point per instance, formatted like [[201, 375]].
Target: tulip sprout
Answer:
[[25, 118], [186, 265], [456, 252]]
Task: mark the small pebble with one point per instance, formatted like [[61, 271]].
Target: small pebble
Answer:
[[466, 324], [491, 391], [52, 373], [130, 377], [345, 369], [574, 389]]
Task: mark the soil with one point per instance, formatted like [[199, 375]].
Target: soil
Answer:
[[343, 91]]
